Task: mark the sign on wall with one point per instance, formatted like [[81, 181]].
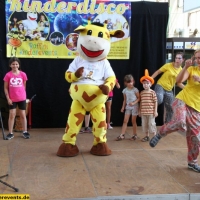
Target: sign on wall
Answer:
[[45, 29]]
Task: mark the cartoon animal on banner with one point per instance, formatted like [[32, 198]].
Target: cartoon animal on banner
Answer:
[[15, 41], [31, 21], [91, 78]]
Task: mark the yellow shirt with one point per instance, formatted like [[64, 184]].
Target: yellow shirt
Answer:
[[191, 92], [168, 79]]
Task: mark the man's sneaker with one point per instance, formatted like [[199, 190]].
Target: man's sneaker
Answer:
[[86, 130], [194, 167], [154, 140], [9, 136], [26, 135]]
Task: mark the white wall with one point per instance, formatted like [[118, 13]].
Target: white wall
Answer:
[[178, 20], [180, 23]]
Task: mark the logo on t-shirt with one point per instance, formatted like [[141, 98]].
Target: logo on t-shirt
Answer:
[[16, 82]]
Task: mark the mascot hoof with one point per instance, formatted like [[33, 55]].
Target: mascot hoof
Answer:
[[67, 150], [101, 149]]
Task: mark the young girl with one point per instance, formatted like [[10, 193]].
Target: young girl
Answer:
[[130, 103], [14, 88], [21, 29], [108, 106]]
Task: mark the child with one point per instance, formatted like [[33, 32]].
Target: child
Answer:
[[186, 116], [14, 88], [148, 106], [130, 103], [86, 129], [108, 106]]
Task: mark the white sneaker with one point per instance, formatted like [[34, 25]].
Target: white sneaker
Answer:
[[109, 126]]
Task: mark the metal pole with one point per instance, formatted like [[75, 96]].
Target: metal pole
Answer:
[[2, 128]]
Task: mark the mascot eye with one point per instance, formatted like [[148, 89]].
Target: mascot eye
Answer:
[[100, 34], [89, 32]]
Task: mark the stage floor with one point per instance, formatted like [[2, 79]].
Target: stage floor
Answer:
[[133, 169]]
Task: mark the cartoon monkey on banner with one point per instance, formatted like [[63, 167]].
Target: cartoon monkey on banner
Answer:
[[91, 78]]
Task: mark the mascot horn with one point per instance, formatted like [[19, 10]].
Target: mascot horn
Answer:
[[91, 78]]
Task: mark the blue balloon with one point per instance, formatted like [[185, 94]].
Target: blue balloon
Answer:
[[66, 23]]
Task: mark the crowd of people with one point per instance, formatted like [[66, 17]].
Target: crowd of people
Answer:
[[182, 113], [40, 31]]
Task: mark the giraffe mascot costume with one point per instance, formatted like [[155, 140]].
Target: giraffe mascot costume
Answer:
[[91, 78]]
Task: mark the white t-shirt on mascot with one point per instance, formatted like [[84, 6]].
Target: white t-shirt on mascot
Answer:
[[95, 73]]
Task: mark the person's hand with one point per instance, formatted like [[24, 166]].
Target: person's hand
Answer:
[[104, 89], [139, 114], [79, 72], [155, 114], [122, 110], [196, 78], [131, 104], [117, 85], [189, 62], [10, 102]]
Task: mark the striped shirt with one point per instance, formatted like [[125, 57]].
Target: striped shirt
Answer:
[[147, 101]]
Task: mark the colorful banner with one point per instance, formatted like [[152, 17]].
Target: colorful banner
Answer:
[[45, 29]]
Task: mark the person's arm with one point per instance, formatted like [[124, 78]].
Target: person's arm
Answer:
[[117, 85], [25, 85], [180, 85], [137, 100], [184, 74], [156, 73], [124, 103], [196, 78], [7, 93], [155, 108], [140, 106]]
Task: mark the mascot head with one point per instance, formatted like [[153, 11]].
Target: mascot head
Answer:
[[32, 16], [94, 40]]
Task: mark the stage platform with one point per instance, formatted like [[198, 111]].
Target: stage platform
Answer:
[[134, 170]]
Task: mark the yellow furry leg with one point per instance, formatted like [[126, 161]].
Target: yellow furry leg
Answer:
[[74, 122], [98, 116]]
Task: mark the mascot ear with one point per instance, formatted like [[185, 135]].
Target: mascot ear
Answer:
[[117, 33], [79, 29]]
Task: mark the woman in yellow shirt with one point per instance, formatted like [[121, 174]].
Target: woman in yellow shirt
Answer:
[[186, 109], [166, 82]]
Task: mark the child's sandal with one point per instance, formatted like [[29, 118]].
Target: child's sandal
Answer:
[[134, 137], [145, 139], [120, 137]]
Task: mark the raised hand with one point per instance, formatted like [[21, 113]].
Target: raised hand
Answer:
[[189, 62]]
